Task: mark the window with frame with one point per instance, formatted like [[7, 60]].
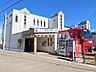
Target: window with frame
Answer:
[[37, 22], [61, 22], [41, 22], [54, 20], [44, 43], [51, 42], [24, 21], [44, 23], [19, 43], [48, 42], [60, 17], [34, 21], [24, 17], [61, 26], [11, 18], [16, 18]]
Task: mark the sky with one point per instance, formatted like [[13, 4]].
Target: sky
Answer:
[[74, 11]]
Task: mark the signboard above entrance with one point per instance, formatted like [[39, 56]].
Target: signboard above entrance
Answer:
[[46, 30]]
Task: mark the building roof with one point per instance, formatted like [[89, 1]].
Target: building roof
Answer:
[[67, 26], [56, 14], [25, 10], [81, 23], [84, 22]]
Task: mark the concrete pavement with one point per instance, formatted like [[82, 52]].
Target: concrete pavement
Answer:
[[25, 62]]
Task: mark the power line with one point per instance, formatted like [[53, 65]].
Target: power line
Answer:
[[5, 3], [11, 6]]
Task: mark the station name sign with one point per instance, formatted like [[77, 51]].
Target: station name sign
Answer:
[[46, 30]]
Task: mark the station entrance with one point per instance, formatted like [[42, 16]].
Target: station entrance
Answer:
[[39, 41], [29, 45]]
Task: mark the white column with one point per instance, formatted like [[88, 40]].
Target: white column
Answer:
[[4, 35], [73, 50], [35, 45], [55, 41]]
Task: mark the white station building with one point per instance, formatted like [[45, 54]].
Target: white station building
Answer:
[[24, 31], [83, 24]]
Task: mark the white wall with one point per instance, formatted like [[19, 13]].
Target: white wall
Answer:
[[59, 27], [10, 40], [82, 26], [14, 42], [7, 30], [19, 26], [40, 18], [86, 25], [50, 49], [55, 21]]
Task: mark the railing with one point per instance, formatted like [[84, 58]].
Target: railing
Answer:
[[88, 58]]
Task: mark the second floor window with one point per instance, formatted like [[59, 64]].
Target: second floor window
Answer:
[[37, 22], [41, 23], [24, 21], [16, 18], [10, 18], [34, 21], [24, 18], [44, 23], [60, 18], [61, 25]]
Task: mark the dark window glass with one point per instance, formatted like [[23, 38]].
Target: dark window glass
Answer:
[[11, 18], [37, 22], [54, 20], [61, 26], [61, 21], [24, 16], [86, 33], [44, 23], [41, 23], [48, 41], [19, 43], [16, 18], [34, 22], [60, 15], [24, 21]]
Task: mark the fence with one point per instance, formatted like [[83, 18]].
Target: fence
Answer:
[[88, 58]]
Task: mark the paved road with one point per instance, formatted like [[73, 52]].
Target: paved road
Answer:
[[25, 62]]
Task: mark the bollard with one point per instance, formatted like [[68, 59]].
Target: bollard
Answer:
[[74, 57], [83, 57]]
